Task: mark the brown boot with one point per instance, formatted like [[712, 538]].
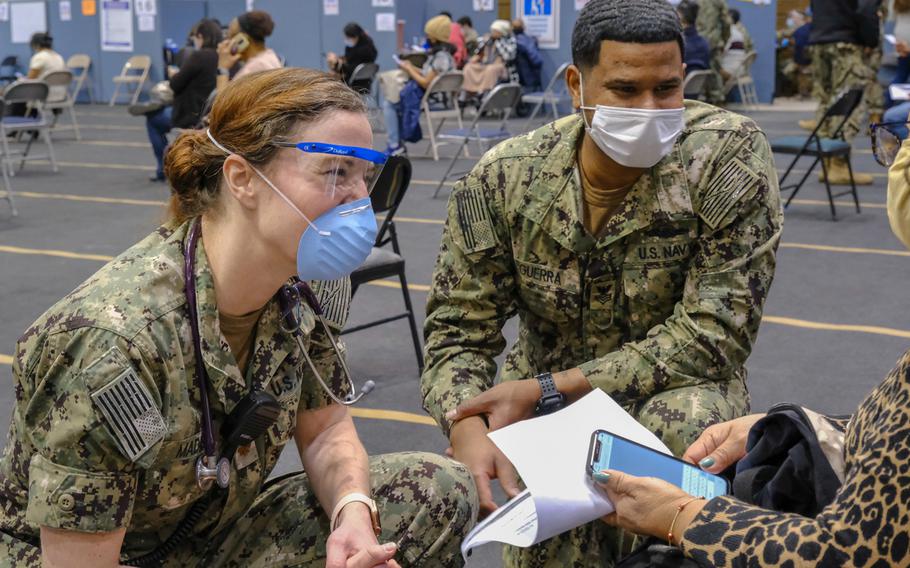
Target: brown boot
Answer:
[[808, 124], [838, 174]]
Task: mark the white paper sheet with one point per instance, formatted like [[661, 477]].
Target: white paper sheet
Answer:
[[4, 11], [66, 11], [549, 454], [385, 22], [899, 91], [330, 7], [145, 23], [27, 18], [116, 25]]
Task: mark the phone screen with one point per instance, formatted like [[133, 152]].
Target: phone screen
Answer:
[[608, 451]]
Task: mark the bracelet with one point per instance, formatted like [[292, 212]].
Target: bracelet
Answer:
[[679, 510]]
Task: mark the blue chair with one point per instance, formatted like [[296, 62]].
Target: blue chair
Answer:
[[500, 100], [822, 149], [9, 70]]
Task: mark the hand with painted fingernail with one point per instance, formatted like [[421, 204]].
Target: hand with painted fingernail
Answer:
[[722, 445]]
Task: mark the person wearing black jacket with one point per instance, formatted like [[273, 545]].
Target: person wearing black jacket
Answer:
[[192, 85], [359, 48], [842, 32]]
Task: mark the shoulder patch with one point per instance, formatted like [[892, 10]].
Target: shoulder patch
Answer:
[[335, 299], [474, 221], [130, 414], [728, 185]]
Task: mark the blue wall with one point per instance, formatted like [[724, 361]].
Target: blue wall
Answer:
[[303, 34]]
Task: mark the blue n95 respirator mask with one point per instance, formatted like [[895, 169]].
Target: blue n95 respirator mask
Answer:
[[337, 242], [633, 137]]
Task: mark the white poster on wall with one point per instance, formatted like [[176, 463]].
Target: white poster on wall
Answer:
[[330, 7], [541, 19], [385, 22], [66, 11], [146, 23], [4, 11], [483, 5], [27, 18], [146, 7], [383, 3], [249, 6], [116, 25]]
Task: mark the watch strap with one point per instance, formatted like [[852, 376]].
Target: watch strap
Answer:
[[547, 385], [357, 498]]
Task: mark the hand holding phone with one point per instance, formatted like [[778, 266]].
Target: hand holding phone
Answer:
[[609, 451], [239, 43]]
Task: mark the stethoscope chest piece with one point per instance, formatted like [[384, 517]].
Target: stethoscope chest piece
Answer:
[[209, 470]]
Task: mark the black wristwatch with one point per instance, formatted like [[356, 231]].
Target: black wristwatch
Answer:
[[551, 399]]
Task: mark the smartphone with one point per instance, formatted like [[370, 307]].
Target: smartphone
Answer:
[[609, 451], [239, 43], [396, 59]]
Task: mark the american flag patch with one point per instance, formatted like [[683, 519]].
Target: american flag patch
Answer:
[[474, 221], [130, 414], [728, 185], [335, 299]]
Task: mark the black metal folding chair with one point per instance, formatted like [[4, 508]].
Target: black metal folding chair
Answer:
[[500, 100], [382, 262], [822, 149]]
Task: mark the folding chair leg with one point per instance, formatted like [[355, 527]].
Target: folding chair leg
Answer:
[[802, 180], [28, 146], [137, 92], [72, 112], [8, 187], [50, 150], [533, 114], [853, 185], [415, 336], [114, 96], [445, 176], [828, 189]]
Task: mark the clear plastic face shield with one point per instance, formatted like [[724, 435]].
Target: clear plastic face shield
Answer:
[[349, 171]]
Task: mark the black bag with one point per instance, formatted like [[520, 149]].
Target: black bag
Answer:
[[653, 554]]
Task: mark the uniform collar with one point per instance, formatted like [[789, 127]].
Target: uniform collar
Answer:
[[553, 200], [271, 347]]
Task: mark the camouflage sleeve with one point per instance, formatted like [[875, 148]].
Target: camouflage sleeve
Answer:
[[471, 296], [91, 410], [710, 333], [335, 300]]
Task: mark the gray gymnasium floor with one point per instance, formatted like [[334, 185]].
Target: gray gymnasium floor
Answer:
[[837, 319]]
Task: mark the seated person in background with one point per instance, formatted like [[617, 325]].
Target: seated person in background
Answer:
[[192, 84], [456, 40], [469, 34], [698, 53], [245, 44], [635, 244], [529, 61], [44, 61], [495, 61], [359, 48], [739, 44], [440, 60], [866, 524]]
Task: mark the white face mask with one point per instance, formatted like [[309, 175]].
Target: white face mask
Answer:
[[634, 137]]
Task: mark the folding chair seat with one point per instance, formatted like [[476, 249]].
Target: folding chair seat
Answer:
[[384, 263], [743, 82], [822, 149], [65, 104], [80, 64], [695, 84], [447, 86], [556, 92], [135, 72], [500, 100], [34, 94]]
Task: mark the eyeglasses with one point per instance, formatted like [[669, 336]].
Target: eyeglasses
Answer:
[[351, 169], [885, 143]]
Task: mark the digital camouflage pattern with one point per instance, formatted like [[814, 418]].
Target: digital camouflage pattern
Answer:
[[713, 23], [660, 312], [74, 460], [836, 68]]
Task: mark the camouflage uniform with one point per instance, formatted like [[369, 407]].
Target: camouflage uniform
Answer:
[[836, 67], [77, 460], [660, 312], [713, 24]]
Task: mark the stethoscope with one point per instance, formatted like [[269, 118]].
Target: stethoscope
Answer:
[[209, 467]]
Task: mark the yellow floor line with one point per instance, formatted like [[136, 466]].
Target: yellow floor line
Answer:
[[57, 253], [5, 359], [855, 250], [111, 127], [94, 165], [824, 203], [117, 144], [873, 329], [89, 198], [780, 172]]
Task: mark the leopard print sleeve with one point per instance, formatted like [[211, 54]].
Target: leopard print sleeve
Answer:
[[868, 524]]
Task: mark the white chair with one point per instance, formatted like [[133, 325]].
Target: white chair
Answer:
[[60, 99], [34, 94], [500, 100], [555, 93], [743, 82], [446, 85], [135, 72], [695, 84], [80, 64]]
